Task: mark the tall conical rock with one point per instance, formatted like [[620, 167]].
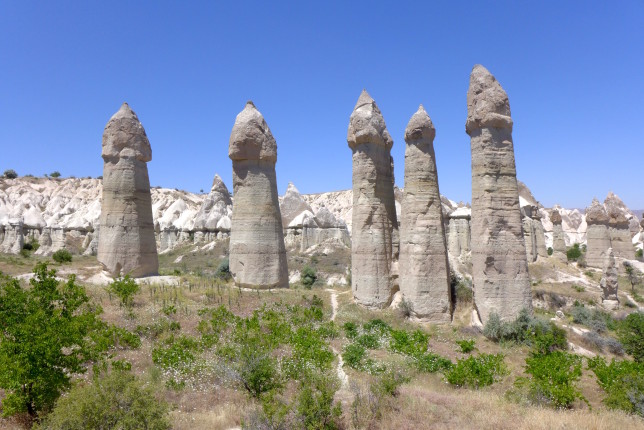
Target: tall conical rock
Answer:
[[374, 223], [257, 252], [618, 227], [424, 270], [597, 234], [126, 243], [214, 211], [499, 265], [558, 235]]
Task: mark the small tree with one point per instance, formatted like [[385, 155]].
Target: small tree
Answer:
[[125, 289], [631, 334], [573, 253], [550, 250], [632, 274], [10, 174], [55, 174], [62, 256], [308, 276], [45, 338]]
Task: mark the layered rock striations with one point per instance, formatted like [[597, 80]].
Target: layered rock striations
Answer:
[[257, 251], [597, 234], [424, 270], [619, 227], [499, 265], [558, 237], [374, 221], [126, 244]]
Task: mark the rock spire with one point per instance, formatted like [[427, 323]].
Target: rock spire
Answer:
[[597, 234], [126, 243], [257, 252], [499, 265]]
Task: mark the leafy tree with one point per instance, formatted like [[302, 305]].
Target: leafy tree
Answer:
[[632, 274], [62, 256], [631, 334], [308, 276], [117, 400], [573, 253], [10, 174], [55, 174], [47, 334], [125, 289]]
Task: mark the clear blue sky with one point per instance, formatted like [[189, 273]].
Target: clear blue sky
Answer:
[[574, 71]]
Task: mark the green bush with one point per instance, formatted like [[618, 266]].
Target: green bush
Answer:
[[623, 382], [223, 270], [125, 289], [175, 353], [528, 330], [594, 319], [432, 363], [350, 330], [354, 356], [257, 371], [49, 332], [55, 174], [477, 371], [406, 343], [630, 333], [639, 253], [550, 250], [117, 400], [316, 408], [62, 256], [466, 345], [10, 174], [553, 378], [308, 276], [573, 253]]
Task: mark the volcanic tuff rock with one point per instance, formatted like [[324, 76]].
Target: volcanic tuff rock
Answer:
[[558, 238], [374, 222], [597, 234], [499, 265], [126, 244], [257, 251], [609, 281], [424, 270], [618, 227]]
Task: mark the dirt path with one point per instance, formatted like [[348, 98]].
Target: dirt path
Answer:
[[342, 376]]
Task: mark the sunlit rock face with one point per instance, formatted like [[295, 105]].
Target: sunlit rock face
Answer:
[[257, 251], [597, 235], [126, 243], [424, 270], [609, 281], [374, 221], [558, 236], [499, 263]]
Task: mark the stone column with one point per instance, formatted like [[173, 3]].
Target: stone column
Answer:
[[257, 252], [374, 221], [424, 270], [499, 265], [126, 243], [597, 235], [558, 237]]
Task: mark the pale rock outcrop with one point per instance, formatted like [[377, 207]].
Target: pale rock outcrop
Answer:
[[459, 238], [618, 227], [424, 270], [609, 281], [257, 251], [533, 233], [374, 222], [558, 238], [597, 235], [126, 244], [292, 204], [323, 229], [213, 217], [499, 263], [13, 237]]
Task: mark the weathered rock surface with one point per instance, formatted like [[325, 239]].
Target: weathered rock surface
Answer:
[[424, 270], [257, 251], [619, 227], [558, 237], [126, 244], [374, 222], [609, 281], [499, 264], [597, 234]]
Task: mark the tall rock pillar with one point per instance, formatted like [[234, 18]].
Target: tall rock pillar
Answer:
[[597, 235], [126, 242], [558, 236], [499, 265], [374, 221], [424, 270], [257, 252]]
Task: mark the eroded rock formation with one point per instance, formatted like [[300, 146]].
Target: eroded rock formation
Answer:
[[499, 266], [619, 227], [558, 237], [374, 222], [597, 235], [257, 251], [126, 244], [609, 281], [424, 270]]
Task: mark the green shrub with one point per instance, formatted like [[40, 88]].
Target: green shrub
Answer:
[[55, 174], [308, 276], [630, 333], [477, 371], [354, 356], [623, 382], [35, 369], [463, 292], [573, 253], [639, 253], [175, 353], [62, 256], [550, 250], [553, 378], [368, 341], [432, 363], [10, 174], [578, 288], [257, 371], [117, 400], [350, 330], [594, 319], [223, 270], [316, 408], [406, 343], [125, 289], [389, 382], [527, 330], [466, 345]]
